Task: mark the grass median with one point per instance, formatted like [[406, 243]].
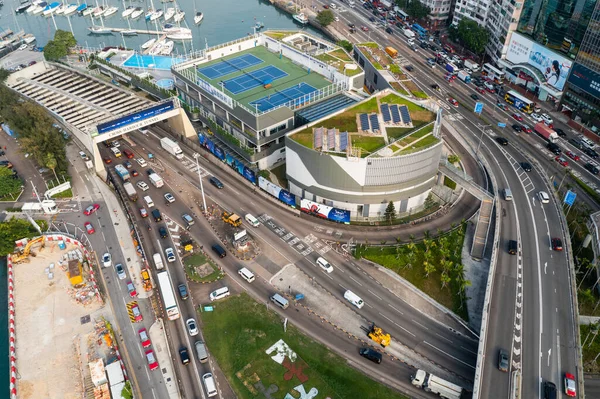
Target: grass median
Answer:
[[240, 330]]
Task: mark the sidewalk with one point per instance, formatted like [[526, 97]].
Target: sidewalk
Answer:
[[121, 226], [163, 355]]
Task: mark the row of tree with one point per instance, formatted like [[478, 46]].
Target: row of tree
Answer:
[[58, 47], [414, 8], [469, 34]]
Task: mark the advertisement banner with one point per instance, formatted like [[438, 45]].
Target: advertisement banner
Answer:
[[324, 211], [229, 159], [210, 145], [283, 195], [219, 153], [586, 79], [201, 139], [554, 67], [135, 117], [249, 175]]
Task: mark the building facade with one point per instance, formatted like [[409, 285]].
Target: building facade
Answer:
[[502, 20], [472, 9]]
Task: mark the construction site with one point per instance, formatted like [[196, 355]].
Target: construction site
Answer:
[[61, 321]]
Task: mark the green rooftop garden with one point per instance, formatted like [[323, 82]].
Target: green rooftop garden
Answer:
[[338, 58], [278, 35]]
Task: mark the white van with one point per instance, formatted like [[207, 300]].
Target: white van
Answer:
[[507, 194], [246, 274], [116, 151], [209, 385], [588, 143], [321, 262], [351, 3], [219, 294], [280, 301], [354, 299], [252, 220], [148, 201]]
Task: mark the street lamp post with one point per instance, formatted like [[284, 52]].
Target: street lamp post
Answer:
[[196, 156], [482, 127]]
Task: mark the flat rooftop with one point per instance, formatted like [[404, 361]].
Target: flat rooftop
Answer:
[[386, 124], [260, 79]]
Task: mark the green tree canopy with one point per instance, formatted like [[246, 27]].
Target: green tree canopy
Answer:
[[8, 184], [346, 45], [3, 75], [390, 212], [470, 34], [66, 38], [325, 17], [58, 48], [13, 230], [414, 8]]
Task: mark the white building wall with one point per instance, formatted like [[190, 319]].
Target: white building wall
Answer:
[[476, 10], [501, 22]]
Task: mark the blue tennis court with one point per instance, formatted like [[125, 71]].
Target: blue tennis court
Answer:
[[226, 67], [250, 80], [283, 96]]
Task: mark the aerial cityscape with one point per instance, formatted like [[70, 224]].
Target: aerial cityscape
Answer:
[[284, 199]]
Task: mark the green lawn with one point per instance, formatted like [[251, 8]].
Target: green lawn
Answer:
[[65, 194], [326, 58], [341, 54], [240, 330], [394, 133], [426, 142], [368, 143], [410, 265], [198, 259], [423, 132]]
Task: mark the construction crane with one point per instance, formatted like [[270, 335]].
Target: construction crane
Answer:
[[21, 255], [232, 219], [377, 335]]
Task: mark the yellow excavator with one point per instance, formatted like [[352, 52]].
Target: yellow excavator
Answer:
[[377, 335], [21, 255], [232, 219]]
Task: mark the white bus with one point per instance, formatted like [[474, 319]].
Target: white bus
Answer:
[[493, 73], [168, 296]]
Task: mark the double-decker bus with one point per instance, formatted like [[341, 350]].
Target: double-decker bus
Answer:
[[519, 102], [168, 296], [493, 73]]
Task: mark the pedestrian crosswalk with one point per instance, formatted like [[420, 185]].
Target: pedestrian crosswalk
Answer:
[[192, 167], [304, 246]]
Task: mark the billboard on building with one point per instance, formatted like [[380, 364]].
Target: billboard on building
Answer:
[[136, 117], [586, 79], [553, 66], [282, 195], [324, 211]]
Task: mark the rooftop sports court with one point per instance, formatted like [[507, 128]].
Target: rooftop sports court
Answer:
[[260, 79]]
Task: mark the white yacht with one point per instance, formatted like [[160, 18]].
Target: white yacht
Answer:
[[170, 13], [179, 15], [137, 12], [100, 30], [148, 44], [156, 15], [28, 38], [180, 36], [60, 9], [88, 11], [167, 48], [32, 7], [301, 18], [38, 8], [110, 11], [50, 8], [98, 11], [198, 17], [127, 12], [71, 9]]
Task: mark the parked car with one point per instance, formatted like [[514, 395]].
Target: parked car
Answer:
[[91, 209], [89, 228], [144, 339], [131, 289], [120, 271]]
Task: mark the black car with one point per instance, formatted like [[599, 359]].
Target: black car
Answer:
[[216, 182], [475, 97], [517, 128], [560, 132], [526, 166], [163, 232], [503, 360], [554, 148], [409, 68], [549, 390], [150, 171], [591, 153], [389, 30], [184, 355], [183, 292], [352, 26], [578, 144], [592, 168], [502, 141], [435, 87], [371, 354], [372, 19]]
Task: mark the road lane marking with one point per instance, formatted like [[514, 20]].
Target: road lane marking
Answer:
[[405, 329], [396, 309], [375, 295], [387, 318], [449, 355], [414, 321], [353, 279], [444, 338], [470, 351]]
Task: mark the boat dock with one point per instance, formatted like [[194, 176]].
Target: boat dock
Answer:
[[5, 33], [138, 31], [160, 39]]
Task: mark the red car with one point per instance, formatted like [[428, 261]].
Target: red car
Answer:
[[570, 385], [91, 209], [107, 160], [562, 161], [143, 212], [131, 289], [144, 339], [152, 363], [517, 117], [453, 101], [134, 173], [89, 228], [526, 129], [480, 90], [364, 28], [325, 6], [574, 157], [557, 244], [137, 313]]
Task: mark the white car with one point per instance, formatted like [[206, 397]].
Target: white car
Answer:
[[142, 162], [143, 186], [120, 271], [106, 260], [536, 117], [192, 326], [547, 119], [169, 197], [22, 47], [544, 197], [116, 144], [170, 255]]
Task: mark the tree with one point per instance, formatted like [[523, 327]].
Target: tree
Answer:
[[65, 38], [469, 34], [8, 184], [429, 268], [54, 51], [51, 163], [453, 158], [415, 8], [390, 212], [13, 230], [3, 75], [325, 18], [445, 279], [346, 45]]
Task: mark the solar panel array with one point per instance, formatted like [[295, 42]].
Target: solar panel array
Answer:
[[374, 122], [405, 115], [385, 111], [395, 113], [343, 141], [364, 121], [318, 138], [331, 139]]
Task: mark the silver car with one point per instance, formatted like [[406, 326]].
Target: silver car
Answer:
[[120, 271], [106, 260]]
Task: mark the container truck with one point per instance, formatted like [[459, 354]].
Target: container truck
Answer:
[[171, 147], [156, 180], [158, 261], [465, 77], [450, 67], [122, 172], [547, 133], [472, 65], [130, 190], [392, 52], [409, 33], [431, 383]]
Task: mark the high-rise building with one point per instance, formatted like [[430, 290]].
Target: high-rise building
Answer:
[[440, 11], [582, 93], [501, 22], [476, 10]]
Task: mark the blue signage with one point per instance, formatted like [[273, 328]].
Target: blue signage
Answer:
[[500, 124], [229, 159], [287, 198], [201, 138], [219, 153], [478, 108], [339, 215], [570, 198], [585, 79], [136, 117], [249, 175]]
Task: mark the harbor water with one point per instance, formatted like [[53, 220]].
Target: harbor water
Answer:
[[223, 21]]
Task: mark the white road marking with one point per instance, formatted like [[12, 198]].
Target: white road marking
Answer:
[[385, 317], [449, 355], [375, 295], [404, 329], [353, 279], [470, 351], [396, 309], [414, 321]]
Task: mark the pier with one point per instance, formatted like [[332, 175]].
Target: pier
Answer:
[[138, 31]]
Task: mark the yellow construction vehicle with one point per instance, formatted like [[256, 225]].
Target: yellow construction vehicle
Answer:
[[21, 255], [146, 280], [232, 219], [377, 335]]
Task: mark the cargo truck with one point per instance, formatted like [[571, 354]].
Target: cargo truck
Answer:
[[472, 65], [547, 133], [409, 34], [171, 147], [465, 77], [386, 3], [431, 383], [122, 172], [158, 261], [392, 52], [130, 190], [156, 180], [450, 67]]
